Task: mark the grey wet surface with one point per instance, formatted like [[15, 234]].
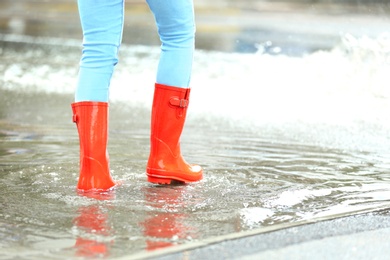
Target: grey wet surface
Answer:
[[282, 139], [354, 237]]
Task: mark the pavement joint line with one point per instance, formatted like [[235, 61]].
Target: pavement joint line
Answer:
[[244, 234]]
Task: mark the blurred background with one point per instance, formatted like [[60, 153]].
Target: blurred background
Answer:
[[290, 118], [292, 27]]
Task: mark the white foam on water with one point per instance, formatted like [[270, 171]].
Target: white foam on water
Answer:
[[254, 215], [345, 84], [350, 198]]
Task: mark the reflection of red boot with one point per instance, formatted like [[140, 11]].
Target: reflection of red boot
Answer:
[[168, 116], [92, 124], [92, 222], [164, 226], [162, 229], [90, 248]]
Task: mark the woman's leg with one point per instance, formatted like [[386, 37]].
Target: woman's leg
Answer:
[[176, 27], [102, 25]]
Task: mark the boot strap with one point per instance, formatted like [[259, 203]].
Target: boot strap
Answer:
[[175, 101]]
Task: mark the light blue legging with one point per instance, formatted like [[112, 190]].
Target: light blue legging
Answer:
[[102, 24]]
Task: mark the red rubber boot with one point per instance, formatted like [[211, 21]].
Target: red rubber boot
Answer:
[[92, 124], [168, 116]]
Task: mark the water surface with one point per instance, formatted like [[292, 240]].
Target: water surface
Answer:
[[281, 139]]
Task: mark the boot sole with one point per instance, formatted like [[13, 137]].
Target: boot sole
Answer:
[[159, 180], [168, 180]]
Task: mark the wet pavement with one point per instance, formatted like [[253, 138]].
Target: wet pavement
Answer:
[[290, 149], [362, 236]]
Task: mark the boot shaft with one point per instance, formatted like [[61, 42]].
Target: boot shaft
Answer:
[[169, 114], [91, 119]]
